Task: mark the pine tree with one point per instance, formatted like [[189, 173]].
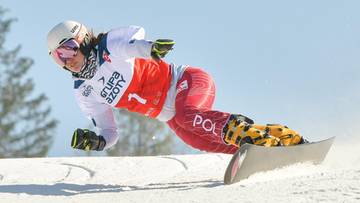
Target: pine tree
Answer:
[[141, 136], [25, 126]]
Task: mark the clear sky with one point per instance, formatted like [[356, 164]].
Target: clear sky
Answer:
[[290, 62]]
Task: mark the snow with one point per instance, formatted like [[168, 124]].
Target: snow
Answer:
[[177, 178]]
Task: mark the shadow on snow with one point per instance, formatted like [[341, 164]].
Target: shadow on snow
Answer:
[[69, 189]]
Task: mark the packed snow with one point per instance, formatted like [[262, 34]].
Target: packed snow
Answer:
[[177, 178]]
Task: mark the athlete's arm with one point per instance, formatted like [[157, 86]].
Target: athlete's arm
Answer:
[[129, 42], [102, 117]]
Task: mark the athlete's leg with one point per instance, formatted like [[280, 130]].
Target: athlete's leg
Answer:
[[194, 100], [195, 123], [206, 129], [197, 142]]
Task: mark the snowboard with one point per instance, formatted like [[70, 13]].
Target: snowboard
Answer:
[[250, 159]]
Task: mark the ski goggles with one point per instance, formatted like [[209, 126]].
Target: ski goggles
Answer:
[[65, 51]]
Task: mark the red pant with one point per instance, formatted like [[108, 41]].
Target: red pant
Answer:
[[195, 123]]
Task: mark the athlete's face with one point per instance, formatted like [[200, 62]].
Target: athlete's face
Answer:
[[68, 55], [75, 63]]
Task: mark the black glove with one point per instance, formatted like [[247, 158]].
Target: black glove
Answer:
[[85, 139], [161, 47]]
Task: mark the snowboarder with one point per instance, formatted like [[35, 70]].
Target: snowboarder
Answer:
[[123, 70]]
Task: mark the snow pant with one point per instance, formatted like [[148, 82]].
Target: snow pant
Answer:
[[195, 122]]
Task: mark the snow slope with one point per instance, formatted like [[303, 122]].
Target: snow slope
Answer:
[[181, 178]]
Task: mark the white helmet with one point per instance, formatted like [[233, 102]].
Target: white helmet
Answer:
[[63, 32]]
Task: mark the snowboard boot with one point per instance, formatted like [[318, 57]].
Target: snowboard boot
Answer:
[[287, 136], [238, 132]]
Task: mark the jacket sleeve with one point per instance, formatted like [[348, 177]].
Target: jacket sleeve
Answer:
[[129, 42], [101, 116]]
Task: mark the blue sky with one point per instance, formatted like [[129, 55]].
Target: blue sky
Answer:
[[290, 62]]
